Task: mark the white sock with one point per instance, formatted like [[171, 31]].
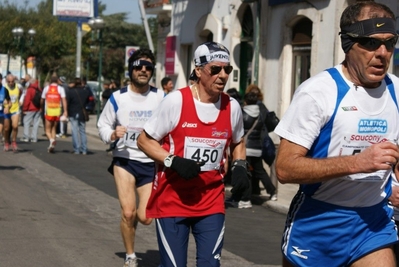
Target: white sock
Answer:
[[130, 256]]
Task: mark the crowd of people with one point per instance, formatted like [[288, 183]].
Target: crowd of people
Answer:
[[175, 150], [55, 105]]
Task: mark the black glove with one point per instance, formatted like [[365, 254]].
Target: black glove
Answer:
[[239, 177], [186, 168]]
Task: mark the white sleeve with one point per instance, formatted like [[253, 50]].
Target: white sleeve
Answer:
[[311, 108], [44, 92], [107, 122], [165, 117], [61, 91]]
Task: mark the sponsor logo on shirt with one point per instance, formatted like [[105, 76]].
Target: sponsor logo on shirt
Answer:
[[216, 133], [373, 139], [189, 125], [352, 108], [207, 141], [372, 126], [140, 115]]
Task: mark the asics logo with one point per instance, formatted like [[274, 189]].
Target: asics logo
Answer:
[[379, 25], [189, 125], [298, 252]]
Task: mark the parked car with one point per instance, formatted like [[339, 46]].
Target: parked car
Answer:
[[93, 85]]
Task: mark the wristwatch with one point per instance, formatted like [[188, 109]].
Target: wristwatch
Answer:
[[168, 161]]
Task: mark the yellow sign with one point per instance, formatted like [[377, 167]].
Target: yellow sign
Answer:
[[86, 27]]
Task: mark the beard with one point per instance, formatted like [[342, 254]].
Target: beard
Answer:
[[141, 81]]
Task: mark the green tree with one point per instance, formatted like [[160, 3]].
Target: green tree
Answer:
[[117, 34], [54, 44]]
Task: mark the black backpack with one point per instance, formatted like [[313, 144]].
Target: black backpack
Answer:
[[37, 98]]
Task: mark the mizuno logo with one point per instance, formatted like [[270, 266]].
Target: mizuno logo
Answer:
[[379, 24], [298, 252]]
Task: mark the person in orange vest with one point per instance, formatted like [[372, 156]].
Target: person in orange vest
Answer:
[[53, 100]]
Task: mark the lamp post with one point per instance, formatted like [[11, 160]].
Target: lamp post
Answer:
[[97, 24], [18, 33]]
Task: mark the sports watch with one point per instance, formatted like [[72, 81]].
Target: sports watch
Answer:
[[168, 161]]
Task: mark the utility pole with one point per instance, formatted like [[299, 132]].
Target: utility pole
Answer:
[[146, 27]]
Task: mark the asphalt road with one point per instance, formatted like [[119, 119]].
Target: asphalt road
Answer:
[[62, 210]]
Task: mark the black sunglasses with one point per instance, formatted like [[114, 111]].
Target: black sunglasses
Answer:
[[216, 69], [140, 67], [371, 43]]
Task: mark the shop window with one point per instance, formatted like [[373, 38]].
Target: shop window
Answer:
[[301, 49]]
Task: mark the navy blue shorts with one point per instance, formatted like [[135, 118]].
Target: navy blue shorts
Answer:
[[173, 234], [319, 233], [144, 172]]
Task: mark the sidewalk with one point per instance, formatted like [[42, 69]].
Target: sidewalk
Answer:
[[285, 192]]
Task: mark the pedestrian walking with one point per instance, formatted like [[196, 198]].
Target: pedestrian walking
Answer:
[[31, 111], [78, 97]]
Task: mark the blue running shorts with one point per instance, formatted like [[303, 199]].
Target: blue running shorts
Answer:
[[144, 172], [173, 234], [320, 234]]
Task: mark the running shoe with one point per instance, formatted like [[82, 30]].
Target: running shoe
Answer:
[[51, 147], [231, 202], [244, 204], [131, 262], [14, 146], [6, 147], [273, 197]]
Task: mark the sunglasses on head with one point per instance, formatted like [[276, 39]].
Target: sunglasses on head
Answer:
[[214, 69], [140, 67], [371, 43]]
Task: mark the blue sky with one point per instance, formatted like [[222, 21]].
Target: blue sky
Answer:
[[113, 6]]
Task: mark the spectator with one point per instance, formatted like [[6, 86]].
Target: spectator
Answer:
[[62, 127], [31, 111], [255, 89], [78, 98], [167, 85]]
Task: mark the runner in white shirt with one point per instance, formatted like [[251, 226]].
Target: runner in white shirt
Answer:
[[122, 121], [339, 142]]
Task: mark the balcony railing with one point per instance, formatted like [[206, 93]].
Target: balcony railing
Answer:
[[156, 3]]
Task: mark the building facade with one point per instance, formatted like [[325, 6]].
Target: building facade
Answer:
[[276, 44]]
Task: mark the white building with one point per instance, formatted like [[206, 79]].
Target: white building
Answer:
[[296, 39]]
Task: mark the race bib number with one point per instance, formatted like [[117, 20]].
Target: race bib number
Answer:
[[130, 138], [354, 144], [207, 150], [13, 98]]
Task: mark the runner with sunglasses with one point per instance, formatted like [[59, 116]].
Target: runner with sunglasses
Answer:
[[121, 122], [188, 137], [339, 142]]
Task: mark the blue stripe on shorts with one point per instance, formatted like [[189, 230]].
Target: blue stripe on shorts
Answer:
[[319, 233]]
